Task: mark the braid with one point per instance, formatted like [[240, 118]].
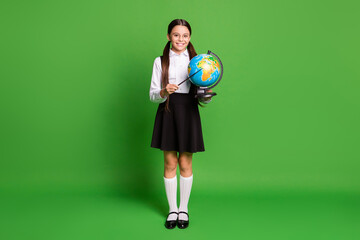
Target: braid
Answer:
[[191, 49], [165, 62]]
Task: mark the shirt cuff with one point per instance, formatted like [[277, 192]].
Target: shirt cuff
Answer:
[[156, 98]]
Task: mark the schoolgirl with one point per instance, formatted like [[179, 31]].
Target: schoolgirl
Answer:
[[177, 129]]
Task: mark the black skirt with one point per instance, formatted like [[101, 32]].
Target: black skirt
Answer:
[[180, 129]]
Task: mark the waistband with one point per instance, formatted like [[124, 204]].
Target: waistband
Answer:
[[181, 98]]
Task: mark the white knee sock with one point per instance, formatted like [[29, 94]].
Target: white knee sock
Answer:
[[185, 189], [171, 189]]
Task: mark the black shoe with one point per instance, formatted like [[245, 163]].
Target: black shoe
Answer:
[[172, 223], [183, 223]]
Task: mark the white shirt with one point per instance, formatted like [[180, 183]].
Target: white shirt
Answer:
[[178, 72]]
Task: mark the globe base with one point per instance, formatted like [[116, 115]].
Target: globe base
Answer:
[[202, 93]]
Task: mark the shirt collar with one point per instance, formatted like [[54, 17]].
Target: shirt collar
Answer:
[[185, 53]]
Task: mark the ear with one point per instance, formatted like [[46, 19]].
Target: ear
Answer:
[[168, 37]]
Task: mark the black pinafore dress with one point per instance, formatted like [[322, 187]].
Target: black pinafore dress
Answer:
[[180, 129]]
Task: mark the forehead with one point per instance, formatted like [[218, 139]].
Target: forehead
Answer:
[[180, 29]]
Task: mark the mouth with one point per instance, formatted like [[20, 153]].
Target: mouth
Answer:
[[180, 44]]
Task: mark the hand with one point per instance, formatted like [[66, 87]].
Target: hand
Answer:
[[171, 88], [208, 98]]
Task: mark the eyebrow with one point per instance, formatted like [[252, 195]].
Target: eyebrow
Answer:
[[179, 33]]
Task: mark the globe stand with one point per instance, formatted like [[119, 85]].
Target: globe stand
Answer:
[[201, 92]]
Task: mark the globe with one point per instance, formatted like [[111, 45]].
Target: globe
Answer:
[[204, 70]]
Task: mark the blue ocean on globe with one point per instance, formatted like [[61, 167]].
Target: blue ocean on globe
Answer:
[[209, 70]]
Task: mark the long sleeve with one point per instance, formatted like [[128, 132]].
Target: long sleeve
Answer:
[[155, 86]]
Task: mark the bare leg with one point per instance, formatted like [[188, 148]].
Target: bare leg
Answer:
[[170, 164], [185, 162]]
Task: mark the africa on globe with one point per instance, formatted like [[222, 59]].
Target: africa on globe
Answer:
[[206, 69]]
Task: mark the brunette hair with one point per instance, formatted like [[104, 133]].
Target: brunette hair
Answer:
[[165, 61]]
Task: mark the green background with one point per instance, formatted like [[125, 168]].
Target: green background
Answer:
[[281, 138]]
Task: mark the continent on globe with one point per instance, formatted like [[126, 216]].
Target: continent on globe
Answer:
[[207, 68]]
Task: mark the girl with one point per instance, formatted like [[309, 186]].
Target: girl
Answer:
[[177, 129]]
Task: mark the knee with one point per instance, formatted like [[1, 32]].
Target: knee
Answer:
[[185, 164], [171, 161], [185, 167], [170, 167]]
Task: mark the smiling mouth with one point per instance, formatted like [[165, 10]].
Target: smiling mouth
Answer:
[[180, 44]]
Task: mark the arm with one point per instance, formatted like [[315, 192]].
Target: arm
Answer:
[[157, 94]]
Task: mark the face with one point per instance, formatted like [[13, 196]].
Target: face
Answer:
[[180, 38]]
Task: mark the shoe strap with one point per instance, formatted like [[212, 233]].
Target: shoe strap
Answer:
[[172, 212], [184, 212]]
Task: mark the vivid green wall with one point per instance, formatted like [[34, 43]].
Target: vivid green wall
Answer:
[[76, 114]]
